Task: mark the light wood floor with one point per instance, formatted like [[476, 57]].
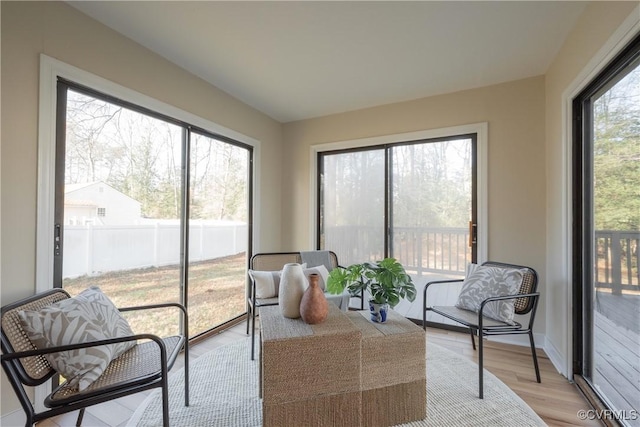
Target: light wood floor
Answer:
[[555, 400]]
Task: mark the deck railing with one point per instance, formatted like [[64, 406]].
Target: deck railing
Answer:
[[446, 251], [618, 260], [420, 249], [432, 250]]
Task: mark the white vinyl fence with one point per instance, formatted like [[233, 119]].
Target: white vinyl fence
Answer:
[[96, 249]]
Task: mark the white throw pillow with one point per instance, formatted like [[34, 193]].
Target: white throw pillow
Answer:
[[322, 272], [90, 316], [266, 282], [483, 282]]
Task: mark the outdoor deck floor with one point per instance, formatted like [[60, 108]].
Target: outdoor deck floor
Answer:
[[616, 353]]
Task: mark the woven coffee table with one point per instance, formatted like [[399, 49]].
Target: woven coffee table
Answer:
[[345, 371], [310, 373]]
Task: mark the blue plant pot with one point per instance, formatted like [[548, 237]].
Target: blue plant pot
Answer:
[[378, 312]]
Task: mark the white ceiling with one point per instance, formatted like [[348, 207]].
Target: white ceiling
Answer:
[[298, 59]]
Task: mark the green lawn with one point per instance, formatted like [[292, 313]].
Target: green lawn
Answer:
[[216, 293]]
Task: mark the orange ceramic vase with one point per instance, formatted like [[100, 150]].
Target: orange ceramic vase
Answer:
[[314, 306]]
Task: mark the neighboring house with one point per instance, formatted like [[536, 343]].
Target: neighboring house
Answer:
[[100, 204]]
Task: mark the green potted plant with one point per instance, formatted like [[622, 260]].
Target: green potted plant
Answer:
[[386, 281]]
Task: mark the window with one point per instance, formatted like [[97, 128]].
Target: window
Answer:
[[414, 200], [178, 197], [607, 235]]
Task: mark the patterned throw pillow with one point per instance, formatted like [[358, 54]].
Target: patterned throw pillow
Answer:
[[268, 282], [90, 316], [484, 282]]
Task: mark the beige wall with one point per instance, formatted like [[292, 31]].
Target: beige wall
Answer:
[[516, 160], [597, 24], [59, 31], [525, 161]]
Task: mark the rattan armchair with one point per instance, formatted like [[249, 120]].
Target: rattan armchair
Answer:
[[273, 261], [141, 368], [526, 301]]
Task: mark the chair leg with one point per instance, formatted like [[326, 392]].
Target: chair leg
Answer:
[[424, 317], [80, 416], [480, 369], [473, 341], [253, 333], [248, 318], [535, 356], [165, 402], [186, 374]]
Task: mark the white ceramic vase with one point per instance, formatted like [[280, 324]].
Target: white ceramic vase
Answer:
[[293, 283]]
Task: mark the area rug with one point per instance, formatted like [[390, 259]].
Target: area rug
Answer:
[[224, 393]]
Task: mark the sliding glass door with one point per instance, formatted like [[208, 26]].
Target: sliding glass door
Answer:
[[151, 210], [608, 236], [415, 202]]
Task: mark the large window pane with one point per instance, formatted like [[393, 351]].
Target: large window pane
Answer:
[[432, 194], [126, 223], [218, 218], [353, 205]]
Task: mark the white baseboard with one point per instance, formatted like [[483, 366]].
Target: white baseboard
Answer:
[[556, 358], [15, 418]]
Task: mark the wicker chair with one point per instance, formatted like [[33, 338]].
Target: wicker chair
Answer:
[[274, 261], [141, 368], [526, 302]]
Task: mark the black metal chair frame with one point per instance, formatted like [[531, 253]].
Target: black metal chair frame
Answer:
[[253, 304], [18, 365], [526, 302]]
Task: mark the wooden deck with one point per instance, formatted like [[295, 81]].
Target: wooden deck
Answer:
[[623, 310], [616, 355]]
